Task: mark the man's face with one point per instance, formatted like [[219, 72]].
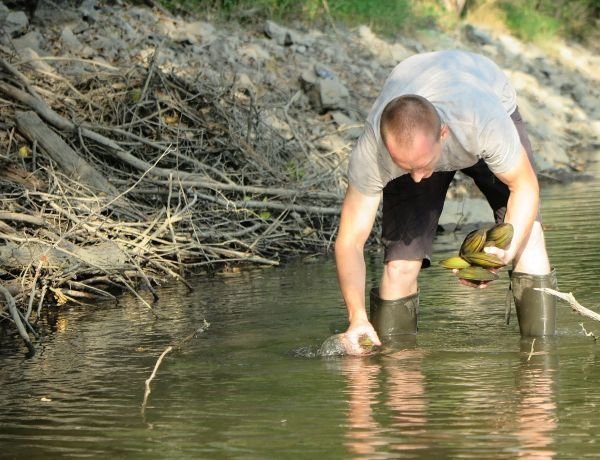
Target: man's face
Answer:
[[421, 158]]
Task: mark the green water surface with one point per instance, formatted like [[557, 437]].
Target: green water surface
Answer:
[[466, 387]]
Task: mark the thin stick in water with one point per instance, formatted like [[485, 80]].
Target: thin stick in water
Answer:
[[531, 351], [168, 350], [149, 379], [588, 334]]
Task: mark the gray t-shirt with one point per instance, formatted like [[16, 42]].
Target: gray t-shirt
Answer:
[[473, 98]]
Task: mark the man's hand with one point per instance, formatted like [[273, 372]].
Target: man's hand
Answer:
[[505, 255], [355, 332], [479, 285]]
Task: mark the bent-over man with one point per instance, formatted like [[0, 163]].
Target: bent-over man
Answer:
[[439, 113]]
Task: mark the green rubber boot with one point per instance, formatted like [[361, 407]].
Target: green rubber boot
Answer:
[[536, 311], [394, 317]]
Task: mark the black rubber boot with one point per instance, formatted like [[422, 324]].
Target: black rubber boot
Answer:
[[394, 317], [536, 311]]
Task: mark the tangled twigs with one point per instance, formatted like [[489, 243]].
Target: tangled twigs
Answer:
[[146, 175]]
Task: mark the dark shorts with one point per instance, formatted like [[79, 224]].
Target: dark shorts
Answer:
[[411, 210]]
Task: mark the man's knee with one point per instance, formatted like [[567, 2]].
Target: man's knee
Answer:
[[399, 278], [534, 258], [403, 268], [536, 239]]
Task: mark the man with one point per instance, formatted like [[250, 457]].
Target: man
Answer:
[[438, 113]]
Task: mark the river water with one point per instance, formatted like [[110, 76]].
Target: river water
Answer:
[[466, 387]]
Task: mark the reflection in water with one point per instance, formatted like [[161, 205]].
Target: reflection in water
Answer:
[[394, 384], [537, 418], [397, 379], [363, 430]]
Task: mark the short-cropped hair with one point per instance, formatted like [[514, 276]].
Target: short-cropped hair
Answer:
[[407, 115]]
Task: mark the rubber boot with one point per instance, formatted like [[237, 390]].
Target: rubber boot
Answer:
[[536, 311], [394, 317]]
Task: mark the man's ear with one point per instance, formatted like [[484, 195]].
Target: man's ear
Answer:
[[444, 132]]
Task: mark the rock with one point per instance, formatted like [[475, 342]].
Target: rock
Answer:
[[188, 32], [46, 13], [466, 211], [252, 54], [348, 127], [324, 93], [336, 54], [16, 23], [142, 15], [323, 72], [284, 36], [89, 10], [332, 95], [222, 53], [477, 35], [275, 121], [3, 11], [333, 143], [31, 40], [69, 41], [102, 43], [244, 83], [542, 164], [72, 44], [27, 54], [387, 54], [197, 32], [551, 154]]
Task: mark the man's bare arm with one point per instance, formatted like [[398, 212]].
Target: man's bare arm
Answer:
[[523, 203], [356, 223]]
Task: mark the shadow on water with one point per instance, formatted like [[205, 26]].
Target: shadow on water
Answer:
[[467, 386]]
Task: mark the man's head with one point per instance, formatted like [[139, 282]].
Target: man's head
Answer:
[[412, 131]]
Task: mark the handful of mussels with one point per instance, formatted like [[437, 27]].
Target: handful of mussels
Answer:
[[471, 262]]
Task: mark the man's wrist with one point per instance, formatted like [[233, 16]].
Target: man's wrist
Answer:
[[358, 316]]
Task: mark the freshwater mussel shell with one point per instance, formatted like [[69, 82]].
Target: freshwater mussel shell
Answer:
[[500, 235], [477, 274], [455, 262], [473, 242], [484, 260]]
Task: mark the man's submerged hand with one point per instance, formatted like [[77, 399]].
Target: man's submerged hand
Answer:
[[356, 333]]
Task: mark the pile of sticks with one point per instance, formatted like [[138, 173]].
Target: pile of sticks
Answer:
[[118, 178]]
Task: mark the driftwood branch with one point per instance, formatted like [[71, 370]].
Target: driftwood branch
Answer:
[[575, 306], [276, 206], [17, 319], [21, 217], [72, 164]]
